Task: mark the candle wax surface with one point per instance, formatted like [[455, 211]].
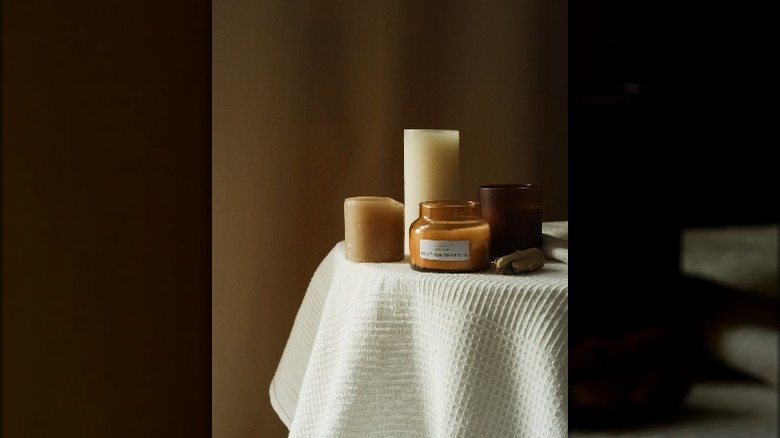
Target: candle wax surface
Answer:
[[431, 169], [373, 229]]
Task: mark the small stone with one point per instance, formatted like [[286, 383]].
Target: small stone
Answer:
[[525, 260]]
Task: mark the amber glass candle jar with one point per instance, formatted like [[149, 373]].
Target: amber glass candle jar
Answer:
[[449, 236]]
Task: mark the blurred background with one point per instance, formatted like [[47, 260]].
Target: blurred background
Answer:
[[106, 239], [673, 325]]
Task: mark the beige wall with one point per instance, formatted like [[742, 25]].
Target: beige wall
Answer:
[[309, 103]]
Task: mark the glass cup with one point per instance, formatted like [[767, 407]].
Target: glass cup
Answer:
[[514, 212]]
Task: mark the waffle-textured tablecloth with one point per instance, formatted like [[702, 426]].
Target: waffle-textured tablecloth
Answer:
[[381, 350]]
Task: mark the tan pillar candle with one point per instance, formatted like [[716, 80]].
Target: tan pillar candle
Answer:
[[373, 229]]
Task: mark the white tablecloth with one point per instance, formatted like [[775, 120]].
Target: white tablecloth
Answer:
[[381, 350]]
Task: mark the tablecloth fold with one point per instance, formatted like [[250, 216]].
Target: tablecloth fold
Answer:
[[380, 350], [555, 240]]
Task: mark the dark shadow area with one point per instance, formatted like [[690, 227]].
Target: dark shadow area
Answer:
[[668, 129]]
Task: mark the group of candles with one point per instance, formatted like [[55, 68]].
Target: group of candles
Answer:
[[433, 226]]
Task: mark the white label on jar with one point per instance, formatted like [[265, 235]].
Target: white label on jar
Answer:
[[452, 250]]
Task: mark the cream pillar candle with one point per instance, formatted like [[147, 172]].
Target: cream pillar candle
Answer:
[[373, 229], [431, 170]]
